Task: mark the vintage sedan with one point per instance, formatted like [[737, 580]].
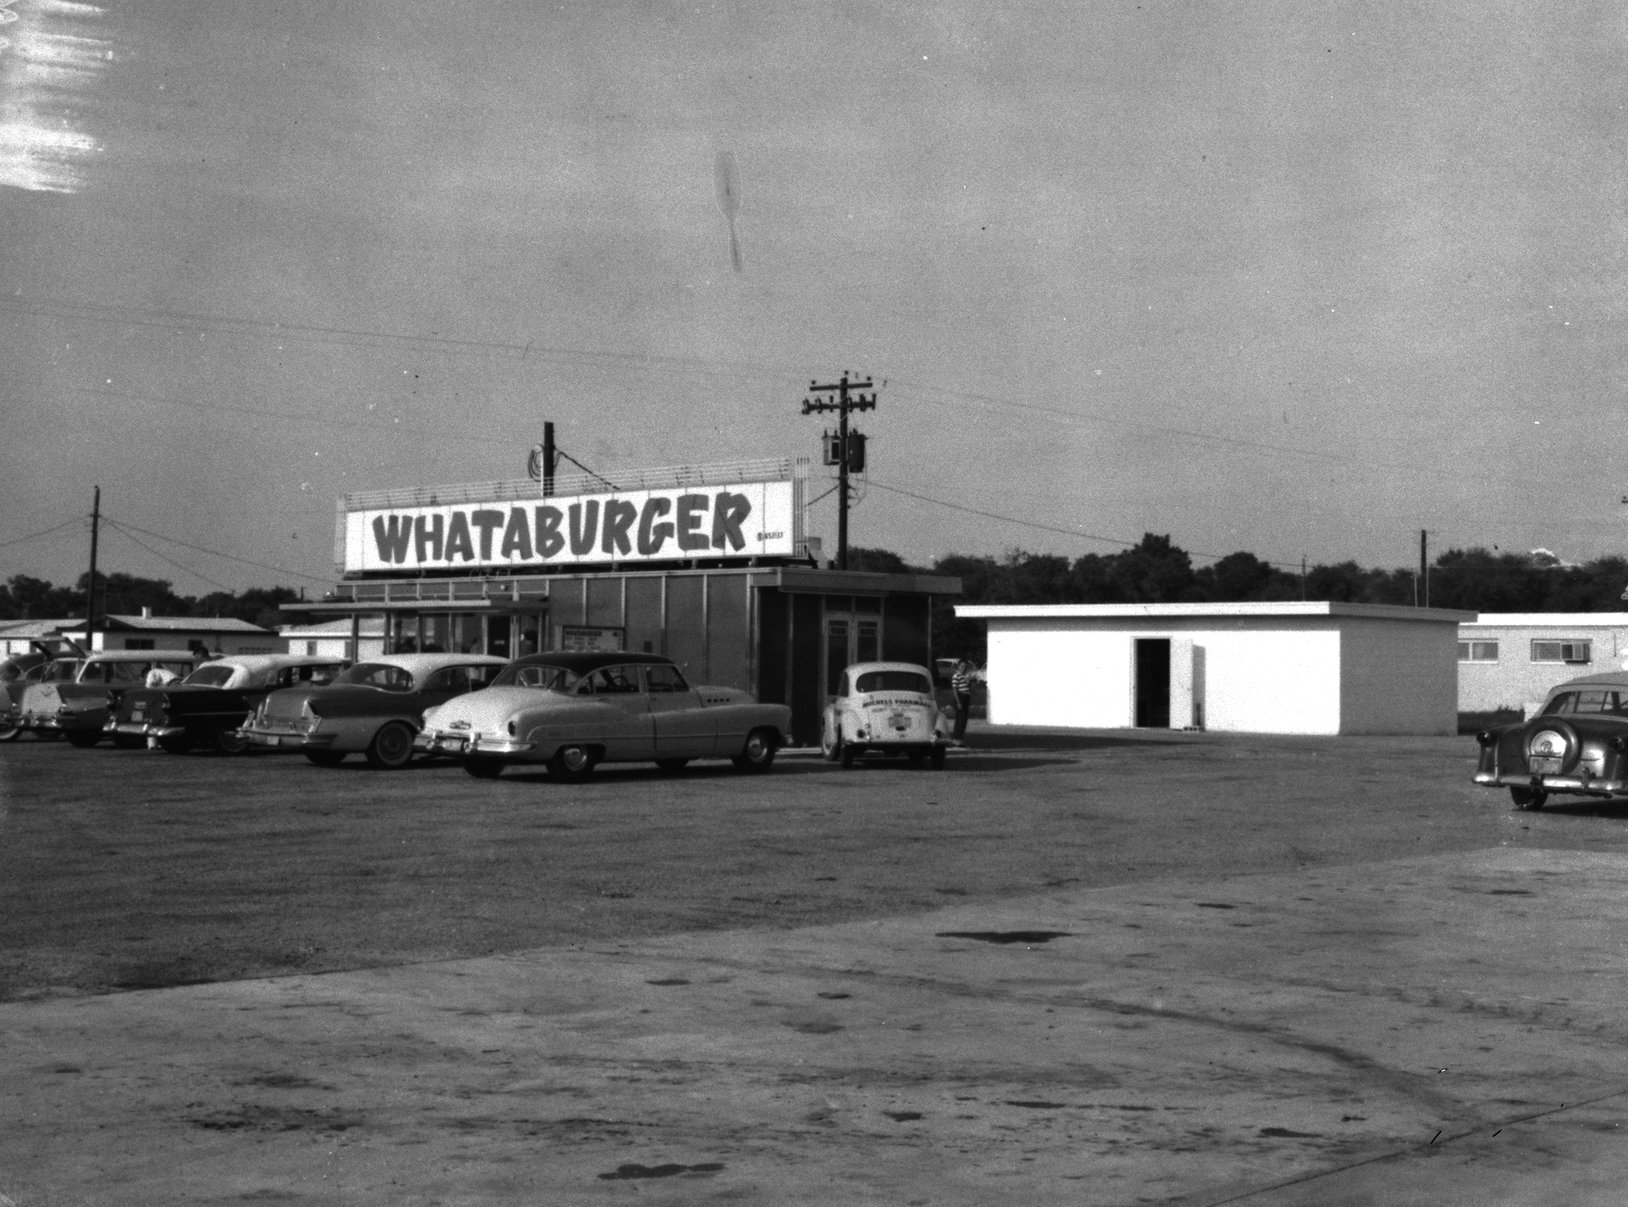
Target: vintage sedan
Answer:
[[206, 708], [573, 711], [17, 671], [884, 708], [373, 708], [1575, 745], [77, 692]]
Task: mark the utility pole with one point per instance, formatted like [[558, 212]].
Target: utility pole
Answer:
[[90, 589], [540, 465], [848, 452], [1424, 566]]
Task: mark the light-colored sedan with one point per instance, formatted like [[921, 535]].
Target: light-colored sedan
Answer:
[[573, 711], [884, 708], [373, 708]]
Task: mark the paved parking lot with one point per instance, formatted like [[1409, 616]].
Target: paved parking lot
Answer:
[[1072, 968]]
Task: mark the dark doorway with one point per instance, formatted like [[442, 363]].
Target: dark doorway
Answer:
[[1153, 683]]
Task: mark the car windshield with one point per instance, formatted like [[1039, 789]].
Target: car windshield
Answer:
[[536, 674], [63, 670], [212, 675], [1608, 701], [893, 681], [378, 674]]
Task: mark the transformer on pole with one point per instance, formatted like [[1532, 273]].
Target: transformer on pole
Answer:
[[844, 449]]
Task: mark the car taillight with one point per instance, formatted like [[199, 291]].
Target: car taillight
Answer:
[[1487, 738]]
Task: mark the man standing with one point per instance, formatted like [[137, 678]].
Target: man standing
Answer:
[[961, 685]]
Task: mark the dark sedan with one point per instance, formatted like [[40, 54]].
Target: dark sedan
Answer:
[[1576, 744], [206, 708]]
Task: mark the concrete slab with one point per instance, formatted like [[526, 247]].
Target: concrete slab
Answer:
[[1443, 1030]]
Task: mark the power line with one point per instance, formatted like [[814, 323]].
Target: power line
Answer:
[[363, 338], [214, 552], [1159, 429], [1074, 532], [129, 536], [439, 435], [36, 536]]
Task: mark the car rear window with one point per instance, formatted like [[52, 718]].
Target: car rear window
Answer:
[[378, 674], [210, 676], [1595, 700], [534, 674], [893, 681]]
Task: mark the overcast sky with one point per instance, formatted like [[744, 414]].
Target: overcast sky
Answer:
[[1295, 278]]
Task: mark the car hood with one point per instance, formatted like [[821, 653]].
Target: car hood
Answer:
[[490, 708]]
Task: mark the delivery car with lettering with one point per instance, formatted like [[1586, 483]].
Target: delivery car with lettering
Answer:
[[884, 708], [572, 711]]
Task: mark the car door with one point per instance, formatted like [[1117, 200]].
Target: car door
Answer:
[[684, 727], [623, 723]]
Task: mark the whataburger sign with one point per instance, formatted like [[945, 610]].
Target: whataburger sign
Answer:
[[750, 520]]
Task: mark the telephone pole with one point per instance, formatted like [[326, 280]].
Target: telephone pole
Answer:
[[544, 457], [847, 452], [90, 589], [1424, 567]]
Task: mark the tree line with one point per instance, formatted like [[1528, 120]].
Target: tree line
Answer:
[[1152, 571], [1157, 571], [26, 598]]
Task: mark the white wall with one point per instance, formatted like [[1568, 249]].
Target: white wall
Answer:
[[1515, 680], [1051, 671]]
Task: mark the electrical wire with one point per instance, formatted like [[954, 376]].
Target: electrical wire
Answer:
[[1074, 532], [36, 536], [211, 552], [119, 528]]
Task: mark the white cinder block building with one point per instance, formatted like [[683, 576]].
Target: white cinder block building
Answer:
[[1304, 668], [360, 639], [1512, 659]]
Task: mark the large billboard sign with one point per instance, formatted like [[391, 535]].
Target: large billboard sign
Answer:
[[755, 519]]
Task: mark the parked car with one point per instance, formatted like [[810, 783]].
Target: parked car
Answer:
[[17, 671], [885, 708], [1576, 744], [77, 692], [373, 708], [573, 711], [208, 706]]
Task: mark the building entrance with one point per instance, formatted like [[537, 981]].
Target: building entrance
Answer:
[[1153, 683], [849, 639]]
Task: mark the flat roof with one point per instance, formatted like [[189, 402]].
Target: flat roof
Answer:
[[1552, 620], [1283, 610]]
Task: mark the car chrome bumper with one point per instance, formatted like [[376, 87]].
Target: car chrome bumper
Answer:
[[1585, 784], [143, 729], [459, 744], [287, 739]]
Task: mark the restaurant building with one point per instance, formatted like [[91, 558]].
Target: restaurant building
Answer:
[[708, 565]]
